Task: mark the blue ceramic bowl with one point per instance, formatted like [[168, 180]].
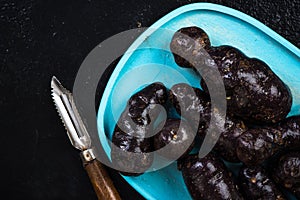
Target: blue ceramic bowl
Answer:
[[224, 26]]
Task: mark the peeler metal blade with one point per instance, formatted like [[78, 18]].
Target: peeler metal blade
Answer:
[[64, 102]]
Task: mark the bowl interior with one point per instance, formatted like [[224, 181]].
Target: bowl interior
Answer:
[[149, 60]]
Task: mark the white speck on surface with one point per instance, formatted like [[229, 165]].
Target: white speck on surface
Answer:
[[274, 90]]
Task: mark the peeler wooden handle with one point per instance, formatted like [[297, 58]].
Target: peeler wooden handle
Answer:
[[103, 185]]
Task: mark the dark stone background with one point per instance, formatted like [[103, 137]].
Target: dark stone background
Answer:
[[39, 39]]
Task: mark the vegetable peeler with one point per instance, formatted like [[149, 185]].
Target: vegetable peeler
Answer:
[[80, 139]]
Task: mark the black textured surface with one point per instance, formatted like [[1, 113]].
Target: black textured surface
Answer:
[[39, 39]]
